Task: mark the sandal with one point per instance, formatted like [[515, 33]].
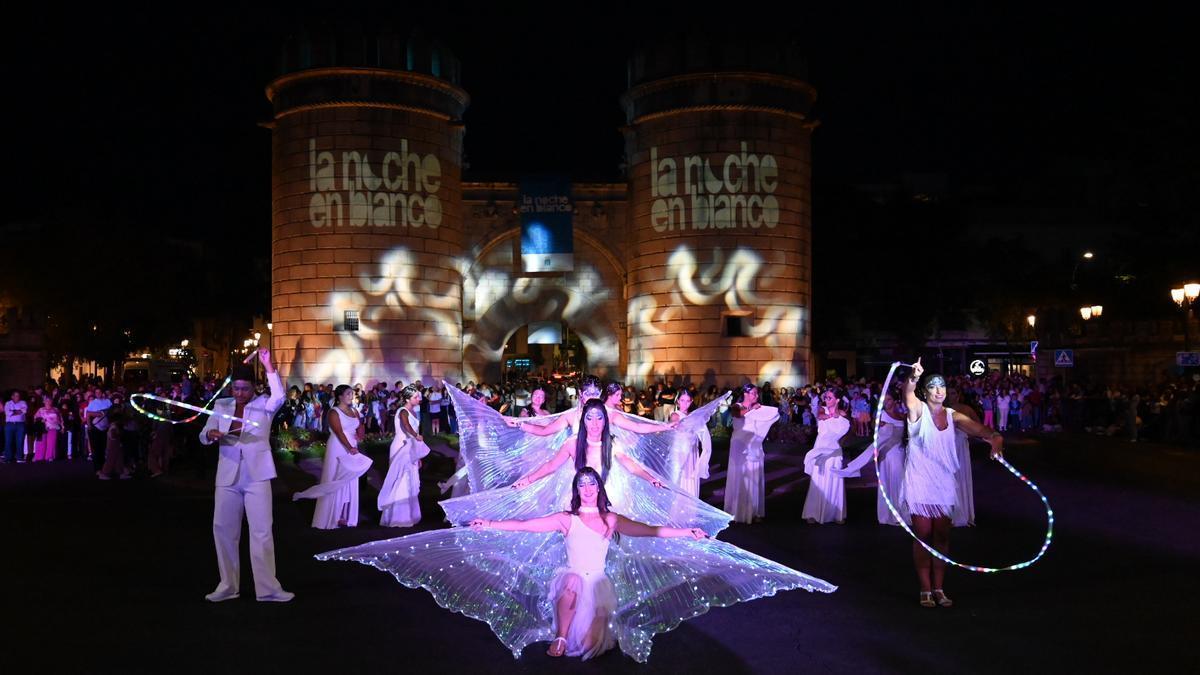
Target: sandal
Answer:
[[552, 652], [941, 598], [927, 599]]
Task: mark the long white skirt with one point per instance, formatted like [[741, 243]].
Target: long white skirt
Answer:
[[337, 493], [826, 499], [590, 633], [398, 496], [964, 483], [745, 483]]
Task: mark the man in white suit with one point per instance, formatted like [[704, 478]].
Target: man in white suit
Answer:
[[245, 468]]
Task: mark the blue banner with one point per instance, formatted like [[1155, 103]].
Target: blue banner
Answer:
[[547, 239]]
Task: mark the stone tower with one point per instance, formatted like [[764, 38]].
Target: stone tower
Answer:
[[719, 160], [367, 209]]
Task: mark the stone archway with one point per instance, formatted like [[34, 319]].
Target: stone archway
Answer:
[[590, 300]]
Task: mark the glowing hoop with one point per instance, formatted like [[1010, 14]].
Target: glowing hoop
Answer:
[[206, 410], [934, 552]]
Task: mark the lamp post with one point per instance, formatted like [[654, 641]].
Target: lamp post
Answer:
[[1185, 296], [1087, 255]]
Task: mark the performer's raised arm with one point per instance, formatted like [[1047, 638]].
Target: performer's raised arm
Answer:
[[639, 427], [910, 392]]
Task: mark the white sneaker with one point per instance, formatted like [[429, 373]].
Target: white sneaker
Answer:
[[221, 596], [103, 476], [281, 596]]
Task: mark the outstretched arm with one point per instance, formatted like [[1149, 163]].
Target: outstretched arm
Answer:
[[633, 528], [910, 392], [539, 429], [548, 468], [973, 428], [638, 427], [557, 521], [637, 469]]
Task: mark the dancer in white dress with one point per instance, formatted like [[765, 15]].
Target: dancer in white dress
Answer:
[[891, 460], [745, 482], [398, 497], [695, 450], [337, 495], [928, 489], [582, 595], [826, 498], [551, 579]]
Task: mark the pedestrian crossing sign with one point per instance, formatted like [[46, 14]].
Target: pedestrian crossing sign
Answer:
[[1064, 358]]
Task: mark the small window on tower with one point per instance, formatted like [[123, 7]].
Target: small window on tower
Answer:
[[734, 325], [350, 320]]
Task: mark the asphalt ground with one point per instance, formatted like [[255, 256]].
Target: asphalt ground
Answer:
[[110, 576]]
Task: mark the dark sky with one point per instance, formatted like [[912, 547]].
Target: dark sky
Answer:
[[147, 120]]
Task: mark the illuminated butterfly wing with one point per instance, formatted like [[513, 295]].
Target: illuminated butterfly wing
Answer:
[[500, 578], [629, 494], [661, 583], [495, 454], [664, 452]]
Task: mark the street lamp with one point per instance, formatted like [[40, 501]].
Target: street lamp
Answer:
[[1097, 310], [1031, 320], [257, 336], [1185, 296], [1085, 312], [184, 343], [1087, 255]]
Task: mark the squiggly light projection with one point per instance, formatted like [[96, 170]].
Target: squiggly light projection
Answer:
[[408, 294], [731, 281]]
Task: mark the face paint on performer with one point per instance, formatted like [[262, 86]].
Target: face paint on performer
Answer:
[[935, 389]]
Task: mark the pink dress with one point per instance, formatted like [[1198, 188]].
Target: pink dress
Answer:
[[590, 633], [45, 449]]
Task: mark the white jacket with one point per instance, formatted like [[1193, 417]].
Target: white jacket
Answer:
[[252, 450]]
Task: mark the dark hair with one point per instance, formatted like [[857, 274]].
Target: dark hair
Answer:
[[581, 439], [244, 373], [337, 395], [407, 393], [602, 503], [589, 380], [610, 389]]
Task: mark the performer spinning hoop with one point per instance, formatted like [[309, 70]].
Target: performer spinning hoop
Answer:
[[928, 489]]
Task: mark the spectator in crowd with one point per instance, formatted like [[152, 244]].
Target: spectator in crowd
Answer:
[[14, 428]]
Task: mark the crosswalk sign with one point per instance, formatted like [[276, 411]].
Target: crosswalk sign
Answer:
[[1064, 358]]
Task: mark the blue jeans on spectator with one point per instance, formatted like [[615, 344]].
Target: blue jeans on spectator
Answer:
[[14, 441]]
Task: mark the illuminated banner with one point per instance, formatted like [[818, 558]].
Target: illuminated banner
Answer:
[[547, 240], [716, 192]]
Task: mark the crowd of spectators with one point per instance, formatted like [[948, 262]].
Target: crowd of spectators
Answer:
[[95, 421]]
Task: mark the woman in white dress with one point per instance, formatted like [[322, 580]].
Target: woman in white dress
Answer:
[[891, 461], [826, 498], [398, 497], [696, 450], [583, 597], [745, 483], [929, 490], [338, 507]]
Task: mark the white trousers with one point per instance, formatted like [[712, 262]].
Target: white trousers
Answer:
[[253, 498]]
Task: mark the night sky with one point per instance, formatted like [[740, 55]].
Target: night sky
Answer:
[[127, 125]]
